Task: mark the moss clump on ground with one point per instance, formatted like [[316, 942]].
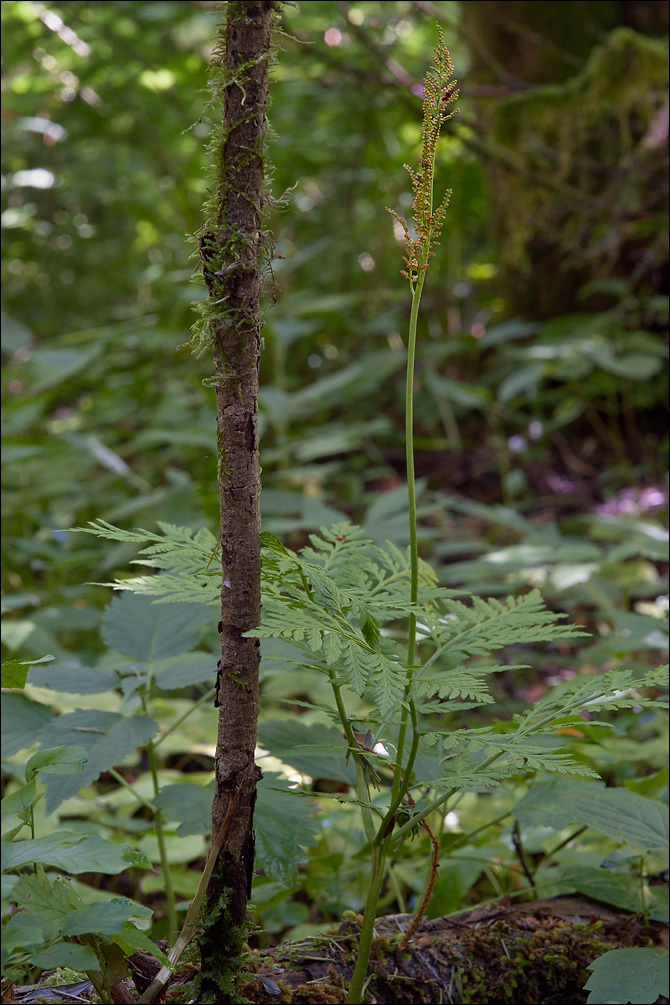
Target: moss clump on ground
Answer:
[[502, 965], [522, 954]]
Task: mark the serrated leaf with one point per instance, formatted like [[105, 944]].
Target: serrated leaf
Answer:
[[386, 686], [493, 624], [332, 647], [134, 626], [188, 804], [616, 812], [617, 688], [284, 824], [462, 681], [65, 954], [65, 760], [107, 736], [271, 541], [51, 899], [356, 664], [637, 975]]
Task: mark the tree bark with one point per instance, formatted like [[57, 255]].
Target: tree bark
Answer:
[[231, 248]]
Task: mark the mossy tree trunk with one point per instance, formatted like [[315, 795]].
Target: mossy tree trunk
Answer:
[[572, 99], [231, 249]]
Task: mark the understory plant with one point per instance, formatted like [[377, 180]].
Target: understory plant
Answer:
[[373, 621], [403, 659]]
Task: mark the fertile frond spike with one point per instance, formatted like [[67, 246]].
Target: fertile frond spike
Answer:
[[438, 94]]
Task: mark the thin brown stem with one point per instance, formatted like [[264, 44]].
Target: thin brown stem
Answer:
[[428, 892]]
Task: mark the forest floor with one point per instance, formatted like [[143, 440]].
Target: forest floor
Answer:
[[499, 953]]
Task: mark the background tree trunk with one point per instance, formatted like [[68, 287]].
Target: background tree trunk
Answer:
[[231, 249], [572, 130]]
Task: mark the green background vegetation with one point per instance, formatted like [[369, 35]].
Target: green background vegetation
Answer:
[[541, 394]]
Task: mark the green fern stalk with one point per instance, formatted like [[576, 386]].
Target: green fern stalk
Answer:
[[428, 222]]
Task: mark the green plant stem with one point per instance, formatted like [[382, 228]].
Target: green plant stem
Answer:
[[355, 992], [643, 904], [437, 803], [396, 800], [413, 543], [158, 817], [550, 854], [99, 979], [361, 780], [201, 701], [403, 772], [160, 836], [162, 850]]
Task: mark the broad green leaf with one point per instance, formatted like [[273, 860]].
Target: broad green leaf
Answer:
[[655, 785], [107, 736], [524, 380], [22, 721], [138, 628], [15, 334], [632, 366], [188, 804], [622, 815], [105, 918], [7, 885], [66, 954], [57, 761], [193, 668], [508, 331], [72, 677], [52, 366], [20, 800], [284, 825], [73, 853], [317, 751], [27, 931], [621, 976], [636, 631], [19, 853], [619, 889], [14, 672], [130, 939]]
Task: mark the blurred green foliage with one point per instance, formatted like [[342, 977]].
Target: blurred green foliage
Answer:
[[541, 437]]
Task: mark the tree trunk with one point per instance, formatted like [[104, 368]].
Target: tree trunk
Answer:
[[231, 247], [576, 170]]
